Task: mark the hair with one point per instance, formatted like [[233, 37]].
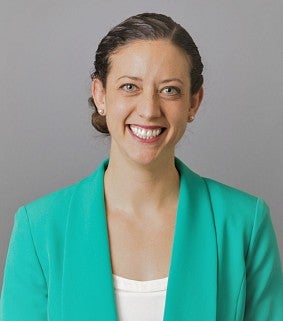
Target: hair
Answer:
[[145, 26]]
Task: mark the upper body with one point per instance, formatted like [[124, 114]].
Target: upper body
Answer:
[[224, 263], [144, 216]]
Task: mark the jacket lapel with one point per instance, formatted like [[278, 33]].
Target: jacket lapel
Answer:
[[87, 284], [192, 282]]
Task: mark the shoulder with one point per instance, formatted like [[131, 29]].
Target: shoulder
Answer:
[[238, 202], [219, 193], [54, 207], [55, 202], [46, 219], [237, 215], [231, 207], [222, 193]]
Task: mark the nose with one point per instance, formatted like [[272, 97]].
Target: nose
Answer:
[[148, 106]]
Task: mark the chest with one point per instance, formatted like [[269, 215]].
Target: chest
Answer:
[[141, 248]]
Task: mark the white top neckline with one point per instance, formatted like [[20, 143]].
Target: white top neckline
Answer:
[[140, 300], [129, 285]]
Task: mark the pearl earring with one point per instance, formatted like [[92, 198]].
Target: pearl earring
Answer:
[[101, 111], [191, 118]]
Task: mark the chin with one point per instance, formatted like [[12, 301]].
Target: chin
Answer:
[[148, 159]]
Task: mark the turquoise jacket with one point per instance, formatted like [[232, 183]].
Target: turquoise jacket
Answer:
[[224, 265]]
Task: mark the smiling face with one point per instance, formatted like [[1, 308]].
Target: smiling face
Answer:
[[147, 100]]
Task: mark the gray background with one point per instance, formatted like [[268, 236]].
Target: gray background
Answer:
[[47, 142]]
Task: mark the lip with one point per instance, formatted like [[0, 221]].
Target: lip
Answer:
[[147, 127], [146, 141]]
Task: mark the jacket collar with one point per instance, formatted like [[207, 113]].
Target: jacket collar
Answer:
[[87, 283]]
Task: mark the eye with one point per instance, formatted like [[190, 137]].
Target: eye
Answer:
[[129, 87], [171, 91]]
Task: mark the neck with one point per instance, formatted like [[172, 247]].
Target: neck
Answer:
[[140, 190]]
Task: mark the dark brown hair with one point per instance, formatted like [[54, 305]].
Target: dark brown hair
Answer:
[[145, 26]]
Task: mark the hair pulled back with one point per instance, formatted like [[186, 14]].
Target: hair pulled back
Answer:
[[145, 26]]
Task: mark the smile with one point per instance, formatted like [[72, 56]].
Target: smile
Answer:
[[145, 133]]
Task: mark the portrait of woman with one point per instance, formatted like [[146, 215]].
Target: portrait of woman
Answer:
[[144, 237]]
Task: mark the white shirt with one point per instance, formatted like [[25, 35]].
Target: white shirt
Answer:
[[140, 300]]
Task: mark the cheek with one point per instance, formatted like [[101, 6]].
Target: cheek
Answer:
[[179, 123], [116, 113], [116, 104], [177, 115]]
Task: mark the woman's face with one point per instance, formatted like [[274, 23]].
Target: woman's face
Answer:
[[147, 100]]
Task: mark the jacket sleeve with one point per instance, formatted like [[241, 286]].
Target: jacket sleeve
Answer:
[[24, 292], [264, 280]]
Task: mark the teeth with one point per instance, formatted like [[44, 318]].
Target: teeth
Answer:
[[145, 133]]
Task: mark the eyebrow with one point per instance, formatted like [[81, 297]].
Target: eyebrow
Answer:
[[130, 77], [172, 79], [162, 82]]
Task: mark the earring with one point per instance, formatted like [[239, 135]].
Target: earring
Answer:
[[191, 118], [101, 111]]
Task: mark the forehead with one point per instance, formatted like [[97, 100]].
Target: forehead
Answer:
[[150, 58]]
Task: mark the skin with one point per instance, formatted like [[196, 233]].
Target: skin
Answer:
[[148, 87]]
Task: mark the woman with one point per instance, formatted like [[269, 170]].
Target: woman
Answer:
[[105, 248]]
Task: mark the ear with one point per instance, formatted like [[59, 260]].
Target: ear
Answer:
[[196, 100], [98, 94]]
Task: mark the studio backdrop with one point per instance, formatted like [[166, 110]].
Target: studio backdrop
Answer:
[[46, 56]]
